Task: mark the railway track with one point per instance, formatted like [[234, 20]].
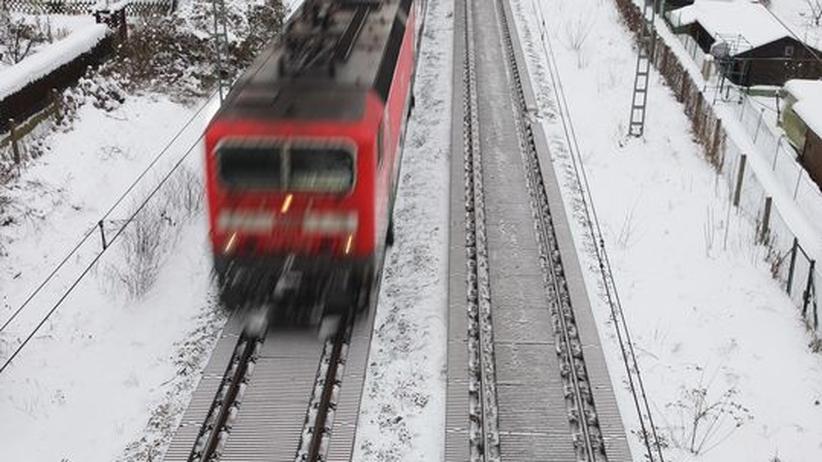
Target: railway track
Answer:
[[280, 397], [530, 396]]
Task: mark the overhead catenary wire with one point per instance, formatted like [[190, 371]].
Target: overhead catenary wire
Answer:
[[592, 221], [120, 230], [100, 254], [108, 212], [807, 47]]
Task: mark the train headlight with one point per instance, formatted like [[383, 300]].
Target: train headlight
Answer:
[[245, 221], [330, 223]]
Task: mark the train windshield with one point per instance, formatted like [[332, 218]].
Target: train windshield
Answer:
[[292, 167], [253, 167]]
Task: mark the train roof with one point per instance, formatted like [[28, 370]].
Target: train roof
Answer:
[[330, 55]]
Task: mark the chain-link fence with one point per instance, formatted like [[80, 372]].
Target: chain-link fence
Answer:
[[80, 7], [791, 263]]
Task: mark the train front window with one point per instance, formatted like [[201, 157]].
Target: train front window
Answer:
[[251, 166], [320, 169], [287, 166]]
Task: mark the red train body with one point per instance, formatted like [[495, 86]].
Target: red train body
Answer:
[[302, 160]]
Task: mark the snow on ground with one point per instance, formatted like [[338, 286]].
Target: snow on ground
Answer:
[[706, 318], [402, 416], [796, 197], [104, 359]]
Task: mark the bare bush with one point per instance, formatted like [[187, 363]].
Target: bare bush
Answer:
[[184, 193], [143, 244], [147, 240], [177, 53], [628, 228], [815, 10], [19, 37], [706, 420], [577, 32], [709, 229]]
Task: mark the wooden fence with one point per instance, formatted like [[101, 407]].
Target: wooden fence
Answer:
[[790, 262], [12, 143]]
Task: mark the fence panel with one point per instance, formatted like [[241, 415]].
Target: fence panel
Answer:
[[80, 7]]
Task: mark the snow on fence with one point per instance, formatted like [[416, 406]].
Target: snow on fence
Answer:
[[704, 61], [79, 7], [27, 89], [784, 164], [792, 263], [17, 131], [49, 59]]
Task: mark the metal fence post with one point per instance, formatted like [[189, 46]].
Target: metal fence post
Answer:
[[793, 263], [806, 296], [717, 139], [55, 101], [759, 124], [15, 149], [766, 221], [739, 177], [102, 234]]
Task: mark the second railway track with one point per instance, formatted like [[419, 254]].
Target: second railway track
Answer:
[[530, 396]]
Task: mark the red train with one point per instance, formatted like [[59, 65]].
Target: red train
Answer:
[[302, 160]]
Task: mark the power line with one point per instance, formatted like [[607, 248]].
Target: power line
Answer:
[[116, 235], [91, 230], [99, 255], [795, 36], [592, 221]]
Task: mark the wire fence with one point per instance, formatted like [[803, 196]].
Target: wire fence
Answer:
[[703, 60], [81, 7], [782, 158], [791, 262]]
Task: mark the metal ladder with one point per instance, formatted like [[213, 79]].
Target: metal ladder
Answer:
[[643, 68]]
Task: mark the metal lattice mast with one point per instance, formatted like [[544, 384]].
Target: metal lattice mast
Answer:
[[645, 54]]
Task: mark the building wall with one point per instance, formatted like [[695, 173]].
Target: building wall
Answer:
[[811, 157], [777, 62]]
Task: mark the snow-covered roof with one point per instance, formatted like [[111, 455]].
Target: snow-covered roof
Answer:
[[51, 57], [747, 19], [808, 105]]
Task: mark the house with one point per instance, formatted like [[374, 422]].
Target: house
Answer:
[[802, 121], [750, 45]]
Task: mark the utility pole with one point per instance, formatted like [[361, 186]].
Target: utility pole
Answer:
[[645, 54], [217, 46]]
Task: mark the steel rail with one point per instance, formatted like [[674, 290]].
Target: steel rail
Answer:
[[320, 431], [582, 415], [226, 401], [483, 390]]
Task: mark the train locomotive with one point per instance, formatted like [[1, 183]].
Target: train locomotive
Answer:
[[303, 157]]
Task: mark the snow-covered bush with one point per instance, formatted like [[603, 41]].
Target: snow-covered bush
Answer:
[[177, 53], [142, 247], [705, 420], [184, 193], [146, 242], [577, 32], [20, 36]]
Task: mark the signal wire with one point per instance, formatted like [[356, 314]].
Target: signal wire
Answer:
[[92, 229], [116, 235]]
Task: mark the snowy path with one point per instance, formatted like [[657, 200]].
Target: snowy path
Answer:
[[703, 310]]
